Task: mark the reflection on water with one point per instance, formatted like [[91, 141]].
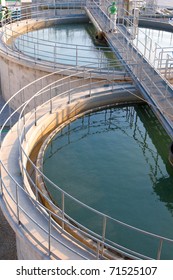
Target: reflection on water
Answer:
[[163, 38], [155, 44], [71, 44], [116, 161]]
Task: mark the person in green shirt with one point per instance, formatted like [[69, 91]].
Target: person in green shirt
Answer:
[[4, 14], [112, 12]]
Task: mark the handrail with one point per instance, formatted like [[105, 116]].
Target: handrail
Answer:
[[21, 133], [7, 120], [126, 47], [146, 42], [51, 48], [69, 93]]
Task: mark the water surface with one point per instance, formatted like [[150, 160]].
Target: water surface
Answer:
[[73, 44], [116, 161]]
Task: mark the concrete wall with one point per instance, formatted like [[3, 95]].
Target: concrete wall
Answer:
[[45, 125], [28, 251], [17, 72], [26, 246], [156, 25]]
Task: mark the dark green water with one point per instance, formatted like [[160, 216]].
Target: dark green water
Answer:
[[116, 161]]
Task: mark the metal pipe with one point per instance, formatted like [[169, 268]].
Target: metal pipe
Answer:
[[159, 249], [49, 235], [17, 204]]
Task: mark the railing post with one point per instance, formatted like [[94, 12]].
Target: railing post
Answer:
[[159, 249], [37, 14], [145, 46], [103, 233], [36, 189], [17, 204], [112, 84], [155, 52], [161, 58], [76, 56], [24, 129], [69, 93], [150, 49], [166, 67], [137, 39], [35, 112], [90, 86], [63, 205], [166, 93], [49, 234], [50, 111], [55, 56], [1, 190], [98, 250]]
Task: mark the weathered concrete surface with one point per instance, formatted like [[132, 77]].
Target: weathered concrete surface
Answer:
[[8, 249], [18, 70], [27, 247]]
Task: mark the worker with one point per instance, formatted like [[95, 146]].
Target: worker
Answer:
[[112, 12]]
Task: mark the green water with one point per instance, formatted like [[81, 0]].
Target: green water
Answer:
[[72, 44], [116, 161]]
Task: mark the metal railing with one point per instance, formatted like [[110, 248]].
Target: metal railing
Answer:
[[48, 100], [169, 67], [139, 40], [142, 69], [43, 51], [56, 54], [62, 53]]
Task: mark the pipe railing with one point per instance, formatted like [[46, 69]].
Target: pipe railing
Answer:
[[57, 52], [16, 192], [50, 53], [69, 94], [146, 46], [44, 50], [40, 49], [128, 48], [46, 179], [68, 91], [169, 67]]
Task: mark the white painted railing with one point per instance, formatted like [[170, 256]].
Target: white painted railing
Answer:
[[45, 101], [40, 104]]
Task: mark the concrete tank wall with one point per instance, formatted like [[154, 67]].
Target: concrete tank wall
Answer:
[[17, 72], [26, 245]]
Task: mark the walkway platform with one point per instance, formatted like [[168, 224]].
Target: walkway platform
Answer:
[[155, 89], [36, 237]]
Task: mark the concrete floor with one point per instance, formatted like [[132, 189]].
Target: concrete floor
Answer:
[[7, 240], [7, 236]]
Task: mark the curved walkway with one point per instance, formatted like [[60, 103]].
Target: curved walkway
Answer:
[[38, 235]]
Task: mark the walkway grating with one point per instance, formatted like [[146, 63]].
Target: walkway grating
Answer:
[[155, 89]]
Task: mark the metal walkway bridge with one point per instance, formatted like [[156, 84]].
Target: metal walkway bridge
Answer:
[[20, 194], [155, 88]]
